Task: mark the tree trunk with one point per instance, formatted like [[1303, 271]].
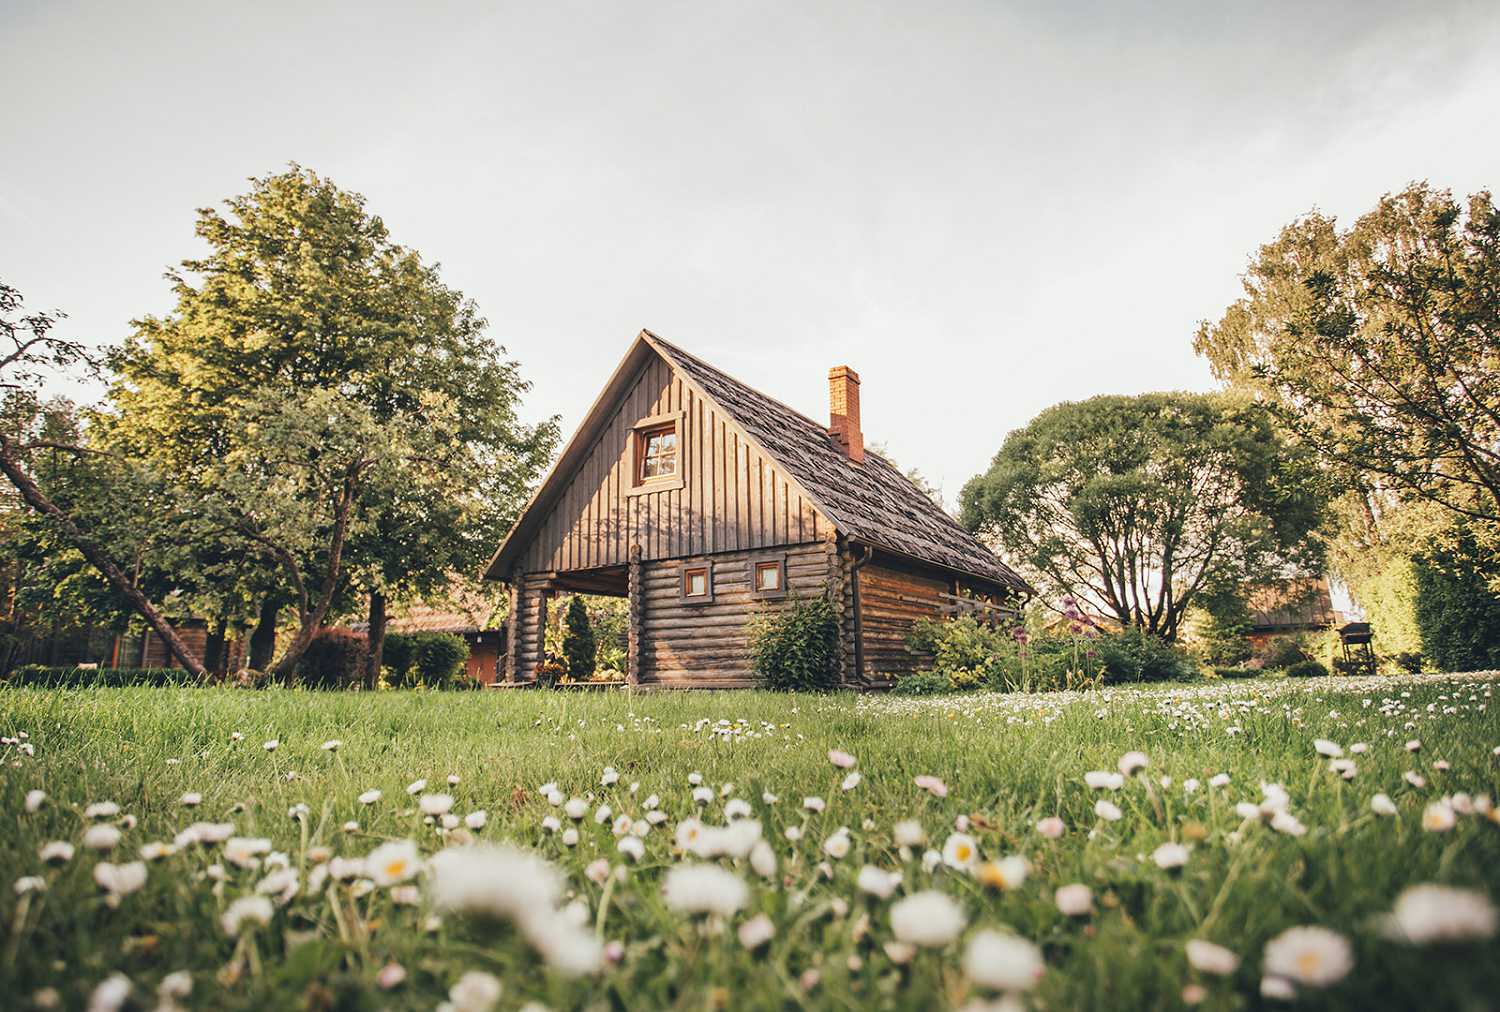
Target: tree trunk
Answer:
[[263, 638], [97, 558], [309, 622], [216, 650], [376, 637]]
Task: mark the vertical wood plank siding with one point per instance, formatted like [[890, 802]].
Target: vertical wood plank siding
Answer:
[[707, 645], [891, 601], [733, 498]]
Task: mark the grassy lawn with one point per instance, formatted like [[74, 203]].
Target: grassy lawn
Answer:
[[1007, 762]]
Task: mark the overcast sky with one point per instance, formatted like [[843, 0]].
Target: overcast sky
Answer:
[[983, 208]]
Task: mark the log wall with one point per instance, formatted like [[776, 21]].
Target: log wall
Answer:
[[733, 498], [707, 645], [891, 601]]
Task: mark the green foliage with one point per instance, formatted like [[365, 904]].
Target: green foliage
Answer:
[[923, 683], [438, 658], [610, 619], [1378, 343], [1389, 601], [1198, 490], [1283, 651], [1234, 672], [335, 659], [578, 647], [969, 654], [1458, 610], [305, 316], [425, 658], [1306, 669], [397, 655], [1223, 637], [795, 647], [1134, 655], [966, 652]]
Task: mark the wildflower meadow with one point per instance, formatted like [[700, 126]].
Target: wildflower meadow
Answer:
[[1324, 843]]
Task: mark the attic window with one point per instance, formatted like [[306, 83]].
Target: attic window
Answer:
[[658, 452], [655, 449], [697, 582]]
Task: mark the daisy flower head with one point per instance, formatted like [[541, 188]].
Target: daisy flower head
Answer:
[[932, 785], [1051, 827], [704, 889], [928, 919], [475, 991], [1310, 956], [1133, 762], [1170, 855], [1074, 900], [1206, 957], [394, 862], [247, 910], [1003, 962], [755, 932], [1006, 873], [101, 837], [1108, 810], [877, 882], [960, 852], [1429, 914]]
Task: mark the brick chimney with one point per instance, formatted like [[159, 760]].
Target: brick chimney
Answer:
[[843, 412]]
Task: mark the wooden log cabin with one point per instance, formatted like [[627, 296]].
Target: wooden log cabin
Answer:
[[706, 503]]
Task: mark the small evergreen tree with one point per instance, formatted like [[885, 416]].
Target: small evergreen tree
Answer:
[[578, 641]]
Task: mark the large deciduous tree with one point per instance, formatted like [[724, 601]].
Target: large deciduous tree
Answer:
[[304, 297], [1380, 344], [1139, 506]]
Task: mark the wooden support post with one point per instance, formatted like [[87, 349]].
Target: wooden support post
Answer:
[[635, 593], [838, 596], [543, 599], [512, 627]]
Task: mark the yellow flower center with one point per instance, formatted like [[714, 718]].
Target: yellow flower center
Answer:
[[1308, 963], [395, 868], [962, 852]]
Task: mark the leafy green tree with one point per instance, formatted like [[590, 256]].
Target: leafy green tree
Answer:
[[303, 291], [1380, 344], [1135, 506], [578, 646], [1457, 611], [28, 349]]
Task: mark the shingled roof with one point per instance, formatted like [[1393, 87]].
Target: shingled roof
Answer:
[[872, 502]]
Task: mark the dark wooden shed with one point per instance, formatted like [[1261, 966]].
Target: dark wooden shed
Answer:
[[705, 503]]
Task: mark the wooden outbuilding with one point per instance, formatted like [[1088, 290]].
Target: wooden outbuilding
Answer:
[[707, 503]]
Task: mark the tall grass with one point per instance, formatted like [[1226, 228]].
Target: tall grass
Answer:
[[1007, 762]]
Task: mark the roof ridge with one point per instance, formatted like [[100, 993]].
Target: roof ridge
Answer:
[[756, 390]]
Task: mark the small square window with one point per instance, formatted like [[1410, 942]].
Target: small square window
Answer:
[[768, 577], [695, 583]]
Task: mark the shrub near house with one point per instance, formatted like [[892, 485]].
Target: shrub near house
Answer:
[[970, 654]]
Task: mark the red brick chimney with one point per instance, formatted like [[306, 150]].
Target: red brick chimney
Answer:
[[843, 412]]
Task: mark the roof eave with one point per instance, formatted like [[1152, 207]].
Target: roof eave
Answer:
[[499, 564]]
